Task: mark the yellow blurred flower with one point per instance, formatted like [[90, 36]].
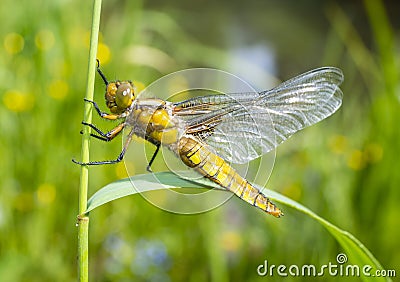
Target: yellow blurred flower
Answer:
[[46, 193], [231, 241], [103, 53], [57, 89], [13, 43], [44, 40], [338, 144], [356, 160], [17, 101]]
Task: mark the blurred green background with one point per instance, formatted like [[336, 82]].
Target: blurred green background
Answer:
[[346, 168]]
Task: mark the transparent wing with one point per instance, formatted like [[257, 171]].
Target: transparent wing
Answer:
[[243, 126]]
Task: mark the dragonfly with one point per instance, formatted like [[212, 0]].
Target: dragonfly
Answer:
[[210, 133]]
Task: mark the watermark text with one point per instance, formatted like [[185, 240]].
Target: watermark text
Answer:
[[338, 268]]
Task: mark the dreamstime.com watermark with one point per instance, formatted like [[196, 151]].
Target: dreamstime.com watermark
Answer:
[[339, 268]]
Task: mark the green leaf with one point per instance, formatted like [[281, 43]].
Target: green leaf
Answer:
[[356, 252]]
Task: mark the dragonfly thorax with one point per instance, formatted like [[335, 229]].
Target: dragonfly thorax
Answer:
[[119, 96]]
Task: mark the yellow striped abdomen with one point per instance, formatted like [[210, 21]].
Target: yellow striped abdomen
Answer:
[[196, 155]]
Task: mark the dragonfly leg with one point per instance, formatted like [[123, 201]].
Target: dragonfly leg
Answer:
[[104, 114], [117, 160], [108, 136], [101, 73], [148, 168]]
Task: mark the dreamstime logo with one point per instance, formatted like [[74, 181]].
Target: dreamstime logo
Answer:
[[340, 268], [180, 86]]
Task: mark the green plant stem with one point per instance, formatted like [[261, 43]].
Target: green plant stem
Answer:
[[384, 38], [83, 220], [216, 256]]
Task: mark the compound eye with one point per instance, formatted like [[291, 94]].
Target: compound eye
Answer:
[[124, 96]]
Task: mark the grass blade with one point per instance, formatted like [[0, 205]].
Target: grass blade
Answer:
[[83, 220], [356, 252]]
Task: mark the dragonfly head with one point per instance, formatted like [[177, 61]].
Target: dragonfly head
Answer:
[[119, 96]]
